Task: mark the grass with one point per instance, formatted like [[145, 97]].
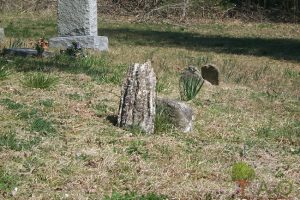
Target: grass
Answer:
[[133, 196], [190, 87], [39, 80], [10, 141], [62, 142], [7, 181], [43, 126], [3, 73]]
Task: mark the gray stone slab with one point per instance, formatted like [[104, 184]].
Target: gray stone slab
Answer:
[[2, 34], [179, 113], [77, 17], [90, 42], [24, 52]]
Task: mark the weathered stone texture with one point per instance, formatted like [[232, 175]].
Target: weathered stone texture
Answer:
[[90, 42], [25, 52], [138, 98], [77, 21], [77, 17], [211, 74], [179, 113]]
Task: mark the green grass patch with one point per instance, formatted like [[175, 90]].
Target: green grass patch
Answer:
[[39, 80], [43, 126], [3, 73], [27, 114], [49, 103], [163, 122], [10, 141], [7, 181], [289, 133], [138, 147], [10, 104]]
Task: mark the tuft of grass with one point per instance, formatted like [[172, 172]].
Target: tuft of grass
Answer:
[[47, 103], [3, 73], [189, 87], [40, 125], [134, 196], [163, 122], [10, 141], [27, 114], [138, 148], [39, 80], [101, 109], [7, 181], [10, 104]]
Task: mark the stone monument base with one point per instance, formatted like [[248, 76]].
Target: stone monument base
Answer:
[[90, 42]]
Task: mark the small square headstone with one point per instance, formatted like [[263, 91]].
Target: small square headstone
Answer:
[[77, 22]]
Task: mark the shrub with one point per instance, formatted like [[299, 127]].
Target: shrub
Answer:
[[242, 172]]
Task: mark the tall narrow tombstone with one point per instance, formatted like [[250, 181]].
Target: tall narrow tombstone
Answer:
[[138, 98], [2, 34], [77, 22]]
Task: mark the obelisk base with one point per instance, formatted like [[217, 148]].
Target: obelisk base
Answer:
[[88, 42]]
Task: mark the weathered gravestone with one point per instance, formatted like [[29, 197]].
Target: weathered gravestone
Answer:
[[138, 98], [211, 74], [179, 113], [77, 22], [2, 34]]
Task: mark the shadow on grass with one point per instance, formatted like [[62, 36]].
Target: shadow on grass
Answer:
[[276, 48]]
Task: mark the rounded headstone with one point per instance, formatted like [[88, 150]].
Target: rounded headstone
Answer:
[[211, 74]]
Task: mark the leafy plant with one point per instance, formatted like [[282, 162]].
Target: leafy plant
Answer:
[[39, 80], [242, 171], [190, 87], [40, 50], [74, 50]]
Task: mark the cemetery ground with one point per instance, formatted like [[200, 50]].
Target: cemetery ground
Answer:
[[60, 142]]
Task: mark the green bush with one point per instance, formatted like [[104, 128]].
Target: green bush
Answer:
[[242, 171]]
